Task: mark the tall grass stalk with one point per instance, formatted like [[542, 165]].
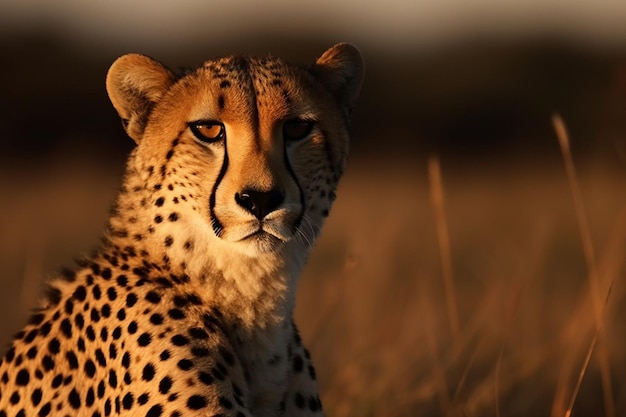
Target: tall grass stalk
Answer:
[[592, 274], [437, 199]]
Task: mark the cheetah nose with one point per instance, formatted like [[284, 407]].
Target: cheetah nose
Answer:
[[260, 203]]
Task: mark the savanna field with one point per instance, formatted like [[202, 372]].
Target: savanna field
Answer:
[[496, 288]]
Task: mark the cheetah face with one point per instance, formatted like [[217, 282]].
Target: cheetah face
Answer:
[[250, 150]]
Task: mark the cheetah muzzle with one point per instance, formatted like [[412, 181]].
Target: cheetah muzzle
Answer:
[[187, 307]]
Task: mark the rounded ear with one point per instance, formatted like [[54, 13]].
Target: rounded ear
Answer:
[[341, 70], [134, 84]]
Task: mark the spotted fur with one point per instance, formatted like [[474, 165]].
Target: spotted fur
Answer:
[[187, 307]]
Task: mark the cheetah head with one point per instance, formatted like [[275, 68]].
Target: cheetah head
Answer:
[[242, 152]]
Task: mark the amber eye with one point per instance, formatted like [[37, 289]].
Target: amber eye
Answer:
[[208, 132], [297, 129]]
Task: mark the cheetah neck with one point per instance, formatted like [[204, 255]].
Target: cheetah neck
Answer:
[[256, 292]]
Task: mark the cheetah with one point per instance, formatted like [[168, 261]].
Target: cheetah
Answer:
[[186, 308]]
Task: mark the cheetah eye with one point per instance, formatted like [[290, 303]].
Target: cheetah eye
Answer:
[[297, 129], [208, 132]]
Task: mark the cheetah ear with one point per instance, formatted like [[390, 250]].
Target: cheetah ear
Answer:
[[341, 70], [134, 84]]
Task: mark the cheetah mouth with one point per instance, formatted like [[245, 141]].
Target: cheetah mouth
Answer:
[[263, 240]]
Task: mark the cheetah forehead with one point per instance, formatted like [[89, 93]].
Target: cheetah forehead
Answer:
[[248, 90], [245, 89]]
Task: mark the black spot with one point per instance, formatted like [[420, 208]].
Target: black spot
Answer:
[[79, 321], [101, 389], [197, 332], [72, 360], [169, 240], [196, 402], [165, 355], [45, 328], [106, 311], [15, 398], [57, 381], [54, 346], [156, 319], [148, 372], [126, 360], [127, 401], [143, 398], [95, 268], [31, 335], [10, 355], [112, 379], [48, 363], [121, 315], [74, 399], [153, 297], [66, 328], [179, 340], [117, 332], [32, 352], [221, 102], [173, 217], [185, 364], [144, 339], [35, 397], [90, 398], [225, 84], [312, 372], [80, 293], [100, 358], [132, 327], [90, 368], [44, 410], [106, 273], [122, 280], [206, 378], [155, 411], [165, 385], [111, 293], [176, 314], [131, 299], [158, 218], [91, 334], [95, 315], [112, 351], [68, 307], [159, 202]]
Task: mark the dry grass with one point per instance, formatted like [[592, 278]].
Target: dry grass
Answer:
[[429, 293]]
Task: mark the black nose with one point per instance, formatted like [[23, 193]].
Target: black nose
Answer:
[[260, 203]]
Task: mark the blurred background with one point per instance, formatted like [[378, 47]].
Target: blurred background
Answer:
[[499, 321]]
